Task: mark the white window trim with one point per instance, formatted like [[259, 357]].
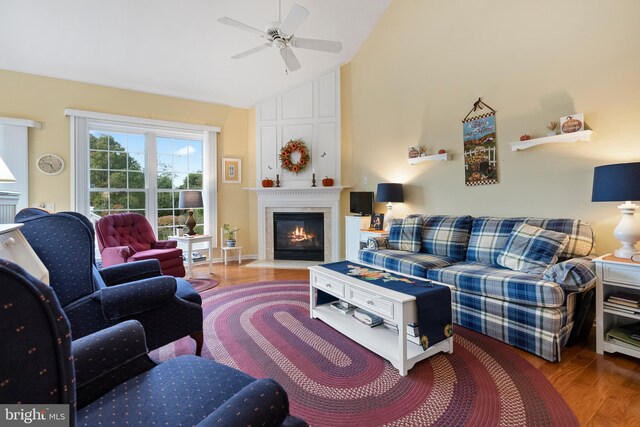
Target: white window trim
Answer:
[[80, 122]]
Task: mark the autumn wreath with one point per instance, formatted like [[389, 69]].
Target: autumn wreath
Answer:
[[294, 145]]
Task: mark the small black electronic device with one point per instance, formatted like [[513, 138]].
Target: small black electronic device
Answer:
[[361, 202]]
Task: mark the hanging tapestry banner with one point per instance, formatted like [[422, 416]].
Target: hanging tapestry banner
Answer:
[[480, 162]]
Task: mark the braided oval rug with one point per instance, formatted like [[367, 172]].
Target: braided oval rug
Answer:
[[264, 329]]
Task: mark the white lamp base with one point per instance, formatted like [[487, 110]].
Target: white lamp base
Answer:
[[388, 217], [627, 231]]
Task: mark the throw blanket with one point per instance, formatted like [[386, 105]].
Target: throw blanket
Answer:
[[433, 301]]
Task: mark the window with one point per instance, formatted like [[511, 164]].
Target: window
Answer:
[[129, 164], [180, 167], [116, 172]]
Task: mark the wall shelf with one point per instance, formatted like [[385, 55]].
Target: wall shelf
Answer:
[[432, 158], [582, 136]]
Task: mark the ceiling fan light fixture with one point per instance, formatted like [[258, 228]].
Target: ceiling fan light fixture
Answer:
[[280, 35]]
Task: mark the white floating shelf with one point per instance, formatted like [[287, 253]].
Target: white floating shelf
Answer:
[[582, 136], [432, 158]]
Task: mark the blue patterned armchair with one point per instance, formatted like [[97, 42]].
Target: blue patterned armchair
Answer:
[[107, 378], [168, 308]]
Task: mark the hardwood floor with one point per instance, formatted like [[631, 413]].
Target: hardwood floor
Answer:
[[601, 390]]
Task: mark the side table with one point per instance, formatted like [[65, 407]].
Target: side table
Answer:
[[190, 240], [615, 276]]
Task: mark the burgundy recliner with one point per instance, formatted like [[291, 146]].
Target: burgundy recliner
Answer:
[[127, 237]]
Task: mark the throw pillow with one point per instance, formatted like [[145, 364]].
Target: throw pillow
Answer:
[[406, 235], [532, 249]]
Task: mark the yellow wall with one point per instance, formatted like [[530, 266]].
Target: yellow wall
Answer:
[[45, 99], [427, 61]]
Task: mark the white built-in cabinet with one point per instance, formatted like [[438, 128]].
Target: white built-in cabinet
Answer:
[[353, 225], [311, 112]]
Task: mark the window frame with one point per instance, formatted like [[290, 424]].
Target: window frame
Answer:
[[82, 122]]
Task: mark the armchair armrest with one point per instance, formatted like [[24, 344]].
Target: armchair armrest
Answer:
[[574, 275], [164, 244], [131, 271], [115, 255], [262, 401], [378, 242], [136, 297], [107, 358]]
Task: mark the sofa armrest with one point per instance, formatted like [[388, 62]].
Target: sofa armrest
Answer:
[[574, 275], [115, 255], [131, 271], [136, 297], [262, 402], [107, 358], [378, 242], [164, 244]]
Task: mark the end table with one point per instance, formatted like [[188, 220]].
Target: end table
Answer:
[[190, 240]]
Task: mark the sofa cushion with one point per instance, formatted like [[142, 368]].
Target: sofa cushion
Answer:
[[414, 264], [446, 235], [574, 275], [500, 283], [532, 249], [405, 235], [489, 236]]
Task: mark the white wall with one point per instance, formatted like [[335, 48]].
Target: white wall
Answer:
[[311, 112]]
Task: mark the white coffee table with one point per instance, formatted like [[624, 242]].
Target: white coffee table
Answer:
[[393, 306], [190, 240]]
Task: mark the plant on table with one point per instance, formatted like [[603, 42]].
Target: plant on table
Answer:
[[230, 234]]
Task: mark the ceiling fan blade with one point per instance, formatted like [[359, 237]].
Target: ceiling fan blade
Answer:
[[316, 44], [234, 23], [290, 59], [251, 51], [292, 21]]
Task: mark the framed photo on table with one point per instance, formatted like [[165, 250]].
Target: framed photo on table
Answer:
[[377, 221], [231, 170]]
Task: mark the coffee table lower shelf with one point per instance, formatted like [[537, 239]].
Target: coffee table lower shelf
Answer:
[[380, 340]]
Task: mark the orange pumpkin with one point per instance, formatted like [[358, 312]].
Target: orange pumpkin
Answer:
[[267, 182], [327, 182]]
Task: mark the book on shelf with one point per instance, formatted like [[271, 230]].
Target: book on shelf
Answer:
[[412, 329], [625, 298], [633, 329], [621, 308], [618, 335], [343, 306], [367, 318], [390, 325], [415, 340]]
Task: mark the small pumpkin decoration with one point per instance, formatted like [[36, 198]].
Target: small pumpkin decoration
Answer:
[[292, 147], [267, 183], [327, 182]]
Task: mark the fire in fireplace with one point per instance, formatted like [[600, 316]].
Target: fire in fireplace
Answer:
[[298, 236]]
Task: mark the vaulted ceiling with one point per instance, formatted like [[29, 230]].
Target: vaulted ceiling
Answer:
[[175, 48]]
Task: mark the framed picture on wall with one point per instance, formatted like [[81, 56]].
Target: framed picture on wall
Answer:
[[231, 170], [377, 221]]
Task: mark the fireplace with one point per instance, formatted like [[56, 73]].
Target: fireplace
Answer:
[[298, 236]]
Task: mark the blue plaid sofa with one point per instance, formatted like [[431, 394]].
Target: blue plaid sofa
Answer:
[[532, 311]]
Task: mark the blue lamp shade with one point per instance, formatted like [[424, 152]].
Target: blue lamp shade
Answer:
[[389, 192], [190, 199], [616, 183]]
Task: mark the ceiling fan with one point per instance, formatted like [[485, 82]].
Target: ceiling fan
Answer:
[[280, 35]]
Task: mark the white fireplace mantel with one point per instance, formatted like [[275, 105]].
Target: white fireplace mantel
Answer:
[[303, 198]]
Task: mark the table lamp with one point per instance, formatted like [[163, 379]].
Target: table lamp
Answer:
[[389, 193], [617, 183], [5, 173], [190, 199]]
